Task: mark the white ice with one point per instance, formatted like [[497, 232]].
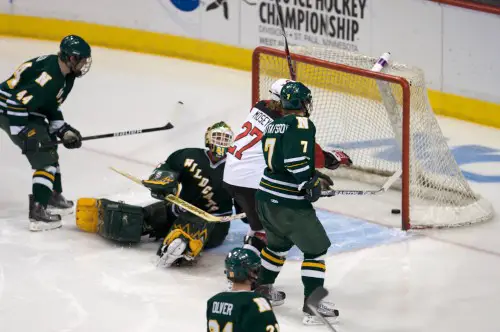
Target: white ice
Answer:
[[67, 280]]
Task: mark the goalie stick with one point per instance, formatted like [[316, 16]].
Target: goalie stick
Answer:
[[383, 189], [185, 205], [313, 301]]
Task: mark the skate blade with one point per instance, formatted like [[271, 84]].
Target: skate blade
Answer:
[[40, 226], [60, 211], [277, 303], [313, 320]]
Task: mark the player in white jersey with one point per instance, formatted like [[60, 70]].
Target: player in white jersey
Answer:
[[245, 162]]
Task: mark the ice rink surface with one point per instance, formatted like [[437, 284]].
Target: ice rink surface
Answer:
[[380, 278]]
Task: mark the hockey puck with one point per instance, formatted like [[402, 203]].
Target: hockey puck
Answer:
[[395, 211], [180, 102]]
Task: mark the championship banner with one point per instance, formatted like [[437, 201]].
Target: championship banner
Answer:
[[330, 23]]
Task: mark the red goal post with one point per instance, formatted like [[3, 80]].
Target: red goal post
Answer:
[[350, 106]]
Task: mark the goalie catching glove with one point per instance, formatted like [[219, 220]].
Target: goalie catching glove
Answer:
[[162, 183], [335, 158]]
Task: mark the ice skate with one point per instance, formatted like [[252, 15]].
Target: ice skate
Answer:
[[59, 204], [325, 308], [274, 296], [41, 219]]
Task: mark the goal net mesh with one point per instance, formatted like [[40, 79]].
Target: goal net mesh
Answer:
[[363, 117]]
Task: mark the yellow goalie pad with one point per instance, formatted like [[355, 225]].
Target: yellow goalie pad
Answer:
[[87, 214], [195, 245]]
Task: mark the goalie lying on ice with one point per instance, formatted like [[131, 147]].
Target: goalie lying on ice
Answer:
[[198, 172]]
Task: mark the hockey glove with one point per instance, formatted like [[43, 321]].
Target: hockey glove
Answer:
[[335, 158], [312, 188], [29, 143], [70, 137], [325, 180], [162, 183]]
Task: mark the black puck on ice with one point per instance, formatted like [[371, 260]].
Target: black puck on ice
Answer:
[[180, 102], [395, 211]]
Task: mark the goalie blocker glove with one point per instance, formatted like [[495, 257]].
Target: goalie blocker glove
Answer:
[[71, 138], [335, 158]]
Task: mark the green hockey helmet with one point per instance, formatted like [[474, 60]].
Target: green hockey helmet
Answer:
[[219, 138], [76, 54], [242, 265], [295, 96]]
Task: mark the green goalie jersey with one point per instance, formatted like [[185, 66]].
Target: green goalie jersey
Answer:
[[242, 311], [288, 146], [201, 180], [36, 88]]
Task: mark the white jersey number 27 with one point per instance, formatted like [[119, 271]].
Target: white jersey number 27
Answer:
[[251, 131]]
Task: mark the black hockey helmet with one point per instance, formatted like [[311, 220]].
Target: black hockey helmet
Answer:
[[295, 96], [76, 54], [241, 265]]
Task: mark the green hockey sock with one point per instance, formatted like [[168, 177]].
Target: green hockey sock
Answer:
[[313, 273], [43, 183], [272, 261], [57, 180]]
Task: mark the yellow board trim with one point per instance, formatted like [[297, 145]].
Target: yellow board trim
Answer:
[[127, 39], [464, 108]]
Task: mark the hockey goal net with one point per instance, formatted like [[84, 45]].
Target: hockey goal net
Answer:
[[385, 123]]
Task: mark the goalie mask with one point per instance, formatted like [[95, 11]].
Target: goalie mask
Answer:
[[218, 139]]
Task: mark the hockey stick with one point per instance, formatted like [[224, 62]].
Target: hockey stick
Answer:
[[287, 50], [117, 134], [313, 301], [383, 189], [185, 205], [199, 212], [127, 175]]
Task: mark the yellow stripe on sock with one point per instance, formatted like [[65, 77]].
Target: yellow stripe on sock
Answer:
[[272, 259], [46, 174], [316, 265]]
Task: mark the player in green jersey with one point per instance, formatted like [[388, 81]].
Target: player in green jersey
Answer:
[[288, 187], [30, 114], [241, 309], [199, 173]]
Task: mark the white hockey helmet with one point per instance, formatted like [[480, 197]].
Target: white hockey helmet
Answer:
[[276, 88]]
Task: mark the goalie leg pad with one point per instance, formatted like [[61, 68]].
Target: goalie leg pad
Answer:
[[112, 220], [87, 214]]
